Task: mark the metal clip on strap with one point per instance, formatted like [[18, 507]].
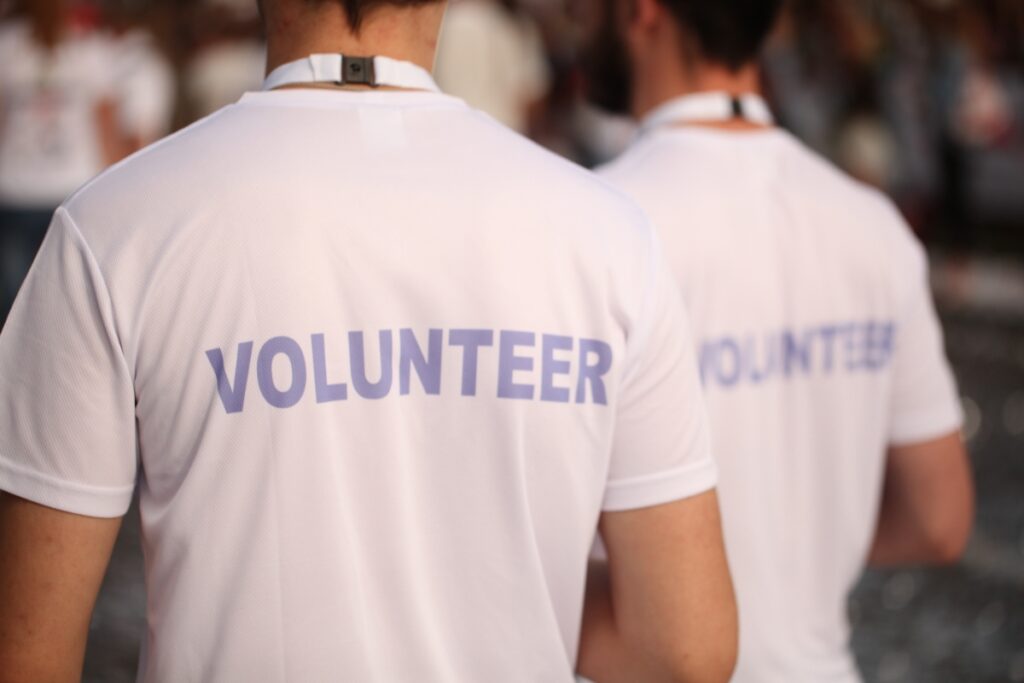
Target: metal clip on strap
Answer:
[[358, 71], [375, 72], [737, 108]]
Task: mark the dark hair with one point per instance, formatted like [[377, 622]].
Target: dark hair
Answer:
[[728, 32], [358, 9]]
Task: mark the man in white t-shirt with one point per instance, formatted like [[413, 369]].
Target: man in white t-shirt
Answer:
[[378, 368], [833, 410]]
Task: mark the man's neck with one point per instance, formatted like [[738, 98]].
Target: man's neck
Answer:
[[408, 34], [655, 87]]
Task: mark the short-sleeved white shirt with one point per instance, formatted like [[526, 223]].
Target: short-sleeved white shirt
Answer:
[[819, 347], [376, 366]]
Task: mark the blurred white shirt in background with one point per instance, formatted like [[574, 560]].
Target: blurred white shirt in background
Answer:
[[494, 59], [222, 72], [148, 88], [49, 136]]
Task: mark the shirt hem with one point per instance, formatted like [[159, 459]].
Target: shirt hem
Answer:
[[662, 488], [925, 427], [78, 499]]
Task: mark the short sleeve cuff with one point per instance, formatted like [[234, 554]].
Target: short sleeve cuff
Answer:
[[660, 488], [927, 425], [78, 499]]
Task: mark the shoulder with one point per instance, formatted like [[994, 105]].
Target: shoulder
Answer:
[[871, 210], [136, 185], [866, 223], [635, 161]]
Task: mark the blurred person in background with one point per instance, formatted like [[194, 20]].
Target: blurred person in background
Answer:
[[981, 95], [229, 55], [492, 55], [58, 124], [67, 110], [834, 412], [147, 83]]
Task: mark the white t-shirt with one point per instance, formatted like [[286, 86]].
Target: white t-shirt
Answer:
[[49, 134], [819, 347], [493, 59], [378, 365]]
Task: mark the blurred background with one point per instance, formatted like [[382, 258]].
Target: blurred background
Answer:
[[921, 98]]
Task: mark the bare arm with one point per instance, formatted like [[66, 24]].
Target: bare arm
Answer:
[[927, 505], [663, 608], [51, 567]]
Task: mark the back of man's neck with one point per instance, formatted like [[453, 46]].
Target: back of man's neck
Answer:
[[407, 34], [695, 80]]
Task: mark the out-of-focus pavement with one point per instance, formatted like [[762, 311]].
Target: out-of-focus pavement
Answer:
[[963, 624]]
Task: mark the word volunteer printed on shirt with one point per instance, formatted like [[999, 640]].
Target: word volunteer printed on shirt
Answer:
[[559, 358], [728, 361]]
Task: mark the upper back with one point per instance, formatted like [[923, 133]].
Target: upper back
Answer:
[[759, 217]]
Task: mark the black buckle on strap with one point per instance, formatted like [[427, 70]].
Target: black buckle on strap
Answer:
[[737, 108], [358, 71]]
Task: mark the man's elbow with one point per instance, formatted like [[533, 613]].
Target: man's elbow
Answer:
[[713, 664], [707, 659], [947, 544]]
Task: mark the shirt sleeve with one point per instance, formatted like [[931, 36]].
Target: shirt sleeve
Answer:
[[925, 403], [67, 402], [661, 449]]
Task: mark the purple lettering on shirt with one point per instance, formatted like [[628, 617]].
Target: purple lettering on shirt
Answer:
[[509, 363], [233, 397], [470, 341], [357, 355], [550, 367], [592, 373], [325, 392], [428, 366], [288, 347]]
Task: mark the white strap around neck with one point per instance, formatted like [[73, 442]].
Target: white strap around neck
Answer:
[[712, 107], [343, 70]]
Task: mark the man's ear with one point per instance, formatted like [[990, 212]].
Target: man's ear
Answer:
[[641, 17], [645, 14]]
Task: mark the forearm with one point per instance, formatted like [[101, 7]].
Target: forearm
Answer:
[[897, 544], [604, 655], [903, 539], [51, 566], [927, 505]]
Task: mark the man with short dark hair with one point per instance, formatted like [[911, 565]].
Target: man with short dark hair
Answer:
[[378, 369], [834, 413]]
